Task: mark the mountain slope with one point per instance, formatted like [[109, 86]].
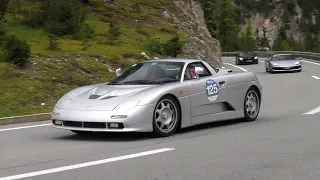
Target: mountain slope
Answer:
[[50, 73]]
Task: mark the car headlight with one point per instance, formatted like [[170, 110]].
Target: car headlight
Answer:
[[241, 58], [63, 103], [256, 57], [298, 63], [126, 105], [274, 64]]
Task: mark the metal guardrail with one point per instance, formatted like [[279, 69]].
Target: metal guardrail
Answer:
[[305, 55]]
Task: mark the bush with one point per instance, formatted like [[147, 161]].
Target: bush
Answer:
[[86, 32], [53, 42], [17, 51], [173, 47], [154, 45], [113, 33], [32, 17], [62, 17]]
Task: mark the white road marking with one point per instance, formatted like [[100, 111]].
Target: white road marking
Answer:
[[24, 127], [237, 67], [82, 165], [316, 77], [313, 111], [261, 61], [311, 62]]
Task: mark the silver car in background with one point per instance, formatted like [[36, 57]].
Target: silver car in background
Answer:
[[283, 63], [160, 96]]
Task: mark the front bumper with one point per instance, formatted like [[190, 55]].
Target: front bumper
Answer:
[[248, 60], [286, 69], [139, 119]]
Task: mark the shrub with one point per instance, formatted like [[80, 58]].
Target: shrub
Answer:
[[62, 17], [32, 17], [136, 8], [173, 47], [154, 45], [17, 51], [113, 33], [53, 42], [85, 32]]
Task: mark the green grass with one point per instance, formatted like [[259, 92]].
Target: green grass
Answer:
[[50, 74]]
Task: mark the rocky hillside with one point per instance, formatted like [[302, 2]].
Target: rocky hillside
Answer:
[[298, 17], [70, 50]]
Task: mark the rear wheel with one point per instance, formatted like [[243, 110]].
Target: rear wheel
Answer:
[[166, 117], [251, 106], [83, 133]]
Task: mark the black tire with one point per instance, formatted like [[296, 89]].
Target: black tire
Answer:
[[157, 132], [247, 116], [83, 133]]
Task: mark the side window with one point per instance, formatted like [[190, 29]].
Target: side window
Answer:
[[206, 72], [190, 71]]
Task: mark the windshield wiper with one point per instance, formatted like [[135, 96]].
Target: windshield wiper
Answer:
[[142, 82]]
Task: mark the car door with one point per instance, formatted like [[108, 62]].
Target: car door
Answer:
[[207, 92]]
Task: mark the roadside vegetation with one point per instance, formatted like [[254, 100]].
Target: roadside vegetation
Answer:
[[50, 47]]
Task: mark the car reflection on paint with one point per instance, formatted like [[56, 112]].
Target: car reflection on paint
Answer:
[[160, 96]]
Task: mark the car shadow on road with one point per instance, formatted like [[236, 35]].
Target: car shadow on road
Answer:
[[106, 136], [137, 136]]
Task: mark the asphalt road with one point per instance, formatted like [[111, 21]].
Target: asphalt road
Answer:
[[282, 144]]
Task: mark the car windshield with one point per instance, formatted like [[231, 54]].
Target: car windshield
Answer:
[[151, 73], [283, 58], [246, 54]]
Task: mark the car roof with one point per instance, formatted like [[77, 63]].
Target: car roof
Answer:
[[176, 60]]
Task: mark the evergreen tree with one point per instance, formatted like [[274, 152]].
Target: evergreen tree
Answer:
[[281, 42], [227, 28], [3, 8], [248, 42], [210, 13], [258, 39], [62, 17], [113, 33], [264, 40]]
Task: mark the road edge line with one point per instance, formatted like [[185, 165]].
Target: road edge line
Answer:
[[87, 164], [25, 119]]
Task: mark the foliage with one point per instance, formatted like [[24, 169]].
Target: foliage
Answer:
[[53, 42], [173, 47], [220, 17], [16, 51], [3, 8], [62, 17], [113, 33], [154, 45], [281, 42], [247, 41], [32, 17]]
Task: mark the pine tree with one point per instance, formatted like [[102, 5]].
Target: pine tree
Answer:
[[227, 28], [210, 13], [264, 40], [113, 33], [258, 39], [3, 8], [281, 42]]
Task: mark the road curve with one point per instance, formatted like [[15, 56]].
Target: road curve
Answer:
[[282, 144]]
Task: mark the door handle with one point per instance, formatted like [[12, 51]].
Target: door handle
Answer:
[[222, 83]]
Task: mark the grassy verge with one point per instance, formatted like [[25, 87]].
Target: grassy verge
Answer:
[[50, 74]]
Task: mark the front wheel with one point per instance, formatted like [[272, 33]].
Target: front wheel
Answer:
[[251, 106], [166, 117]]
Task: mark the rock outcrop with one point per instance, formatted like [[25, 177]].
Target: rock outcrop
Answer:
[[200, 44]]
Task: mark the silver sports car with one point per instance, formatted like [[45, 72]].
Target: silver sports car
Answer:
[[160, 96], [283, 62]]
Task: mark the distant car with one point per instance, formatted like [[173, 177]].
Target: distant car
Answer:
[[246, 58], [283, 63], [160, 96]]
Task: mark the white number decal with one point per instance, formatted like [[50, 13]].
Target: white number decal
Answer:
[[212, 89]]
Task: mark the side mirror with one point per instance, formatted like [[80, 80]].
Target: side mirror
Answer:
[[199, 70], [118, 72]]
